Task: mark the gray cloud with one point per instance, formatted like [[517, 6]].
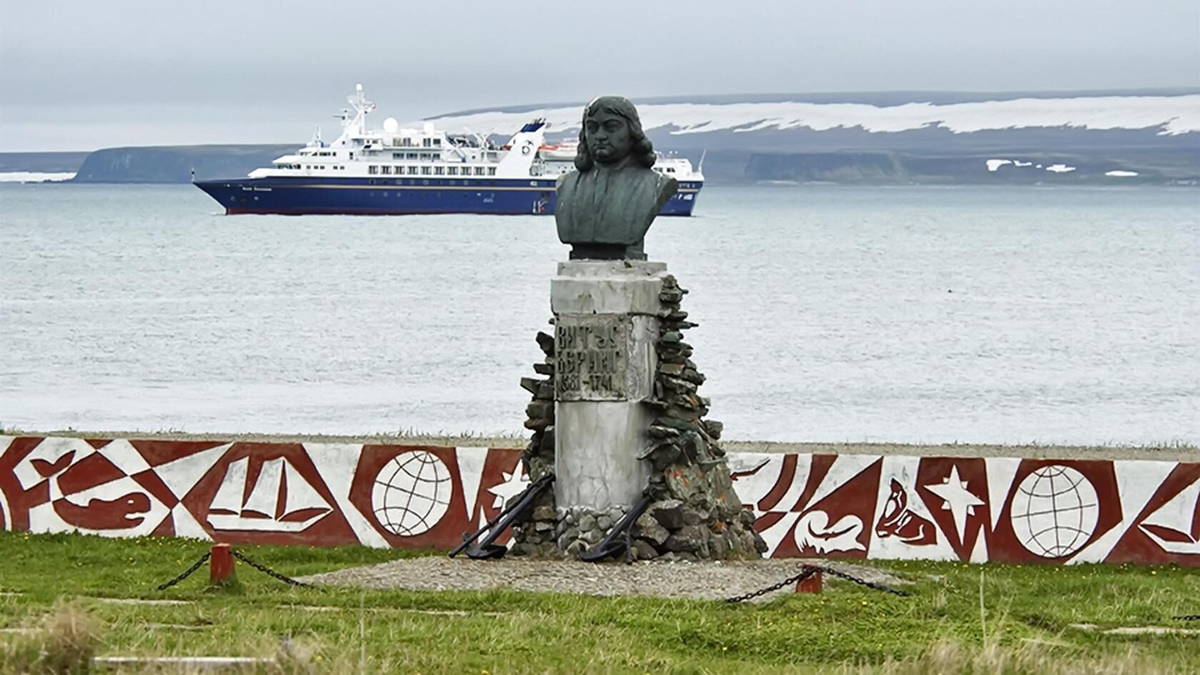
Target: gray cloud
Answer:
[[82, 75]]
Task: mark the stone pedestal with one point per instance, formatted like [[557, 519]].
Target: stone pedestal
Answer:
[[621, 412], [606, 326]]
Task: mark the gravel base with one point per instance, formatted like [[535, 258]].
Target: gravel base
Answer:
[[704, 581]]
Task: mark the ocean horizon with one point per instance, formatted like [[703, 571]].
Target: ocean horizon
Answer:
[[970, 314]]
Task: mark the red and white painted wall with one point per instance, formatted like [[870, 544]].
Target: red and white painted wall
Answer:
[[854, 506]]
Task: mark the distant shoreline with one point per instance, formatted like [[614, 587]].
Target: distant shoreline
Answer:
[[1162, 452]]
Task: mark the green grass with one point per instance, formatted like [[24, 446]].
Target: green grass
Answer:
[[1027, 616]]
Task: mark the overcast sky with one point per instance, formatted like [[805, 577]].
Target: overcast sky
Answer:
[[80, 75]]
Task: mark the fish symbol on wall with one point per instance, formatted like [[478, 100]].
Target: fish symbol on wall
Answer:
[[900, 522]]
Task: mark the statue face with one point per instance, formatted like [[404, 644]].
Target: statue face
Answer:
[[608, 137]]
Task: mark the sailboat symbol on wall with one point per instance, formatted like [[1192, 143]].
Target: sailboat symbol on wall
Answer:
[[281, 500]]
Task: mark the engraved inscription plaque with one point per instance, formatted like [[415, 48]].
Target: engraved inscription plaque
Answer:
[[591, 357]]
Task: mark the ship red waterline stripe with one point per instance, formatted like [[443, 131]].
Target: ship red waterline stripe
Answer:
[[1000, 509]]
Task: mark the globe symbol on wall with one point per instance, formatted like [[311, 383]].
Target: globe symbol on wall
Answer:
[[411, 493], [1054, 511]]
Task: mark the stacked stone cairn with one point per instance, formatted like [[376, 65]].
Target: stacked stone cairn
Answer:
[[536, 535], [695, 513]]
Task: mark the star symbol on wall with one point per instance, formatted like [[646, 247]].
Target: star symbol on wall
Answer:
[[956, 499], [513, 485]]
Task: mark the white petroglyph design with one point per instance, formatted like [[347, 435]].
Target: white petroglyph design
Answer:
[[774, 534], [956, 499], [774, 470], [845, 468], [281, 500], [470, 473], [118, 508], [1137, 483], [904, 527], [181, 475], [1001, 471], [1175, 526], [186, 524], [513, 484], [1054, 511], [337, 463], [50, 458], [412, 493], [125, 457], [814, 531], [5, 518], [754, 474]]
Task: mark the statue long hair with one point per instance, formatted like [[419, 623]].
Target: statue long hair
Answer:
[[643, 150]]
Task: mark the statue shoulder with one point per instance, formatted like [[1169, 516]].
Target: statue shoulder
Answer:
[[667, 187], [567, 178]]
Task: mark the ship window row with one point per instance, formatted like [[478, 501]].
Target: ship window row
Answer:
[[387, 170], [421, 156], [435, 181]]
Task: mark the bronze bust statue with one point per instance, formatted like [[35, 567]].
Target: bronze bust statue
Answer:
[[605, 207]]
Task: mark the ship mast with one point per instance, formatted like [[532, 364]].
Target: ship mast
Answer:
[[361, 107]]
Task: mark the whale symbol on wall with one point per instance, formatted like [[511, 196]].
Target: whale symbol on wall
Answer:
[[104, 514]]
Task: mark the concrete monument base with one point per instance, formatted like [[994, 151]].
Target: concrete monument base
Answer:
[[621, 417], [606, 317]]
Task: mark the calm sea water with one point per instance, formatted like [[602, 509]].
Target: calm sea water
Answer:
[[827, 314]]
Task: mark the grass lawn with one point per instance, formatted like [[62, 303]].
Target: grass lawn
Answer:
[[1024, 626]]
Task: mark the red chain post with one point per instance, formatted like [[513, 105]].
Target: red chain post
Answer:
[[220, 565], [811, 583]]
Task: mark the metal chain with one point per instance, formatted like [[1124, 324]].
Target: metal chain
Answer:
[[1188, 617], [863, 582], [808, 571], [267, 570], [187, 573]]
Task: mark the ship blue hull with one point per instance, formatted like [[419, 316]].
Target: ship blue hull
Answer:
[[402, 196]]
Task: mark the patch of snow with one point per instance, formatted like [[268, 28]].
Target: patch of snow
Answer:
[[993, 164], [1170, 115], [1060, 168], [33, 176], [1020, 163], [1121, 174]]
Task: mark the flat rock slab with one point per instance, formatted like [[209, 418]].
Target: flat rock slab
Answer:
[[1138, 630], [140, 601], [700, 581]]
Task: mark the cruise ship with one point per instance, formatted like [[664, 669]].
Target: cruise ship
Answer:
[[398, 171]]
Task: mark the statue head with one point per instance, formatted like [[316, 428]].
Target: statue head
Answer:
[[611, 132]]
